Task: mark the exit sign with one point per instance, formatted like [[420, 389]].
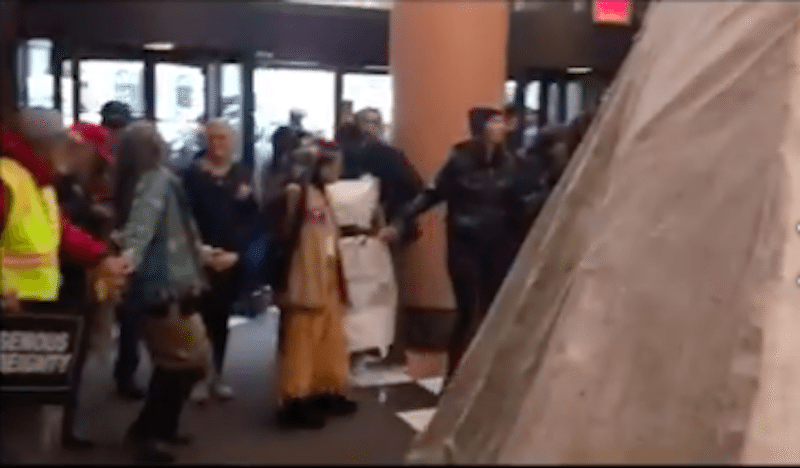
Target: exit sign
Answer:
[[612, 11]]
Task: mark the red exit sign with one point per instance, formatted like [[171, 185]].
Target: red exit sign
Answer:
[[612, 11]]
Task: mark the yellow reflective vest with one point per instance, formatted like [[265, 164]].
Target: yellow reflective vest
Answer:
[[30, 242]]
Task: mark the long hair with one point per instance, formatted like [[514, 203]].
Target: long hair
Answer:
[[141, 149]]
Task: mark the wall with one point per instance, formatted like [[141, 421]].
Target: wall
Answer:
[[556, 37]]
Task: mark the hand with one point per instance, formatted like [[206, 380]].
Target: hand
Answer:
[[388, 234], [11, 304], [223, 261], [116, 269], [293, 192], [244, 191]]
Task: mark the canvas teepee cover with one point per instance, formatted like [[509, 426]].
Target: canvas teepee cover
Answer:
[[653, 314]]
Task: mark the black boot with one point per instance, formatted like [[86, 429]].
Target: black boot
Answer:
[[71, 441], [180, 439], [154, 451], [147, 449], [331, 404], [300, 414], [130, 391]]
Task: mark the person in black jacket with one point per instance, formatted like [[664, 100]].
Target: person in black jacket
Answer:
[[223, 204], [399, 182], [479, 183]]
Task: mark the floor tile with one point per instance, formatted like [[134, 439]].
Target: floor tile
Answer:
[[374, 377], [235, 321], [418, 419], [400, 397], [434, 385]]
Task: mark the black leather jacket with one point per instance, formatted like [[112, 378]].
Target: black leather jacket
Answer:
[[487, 198]]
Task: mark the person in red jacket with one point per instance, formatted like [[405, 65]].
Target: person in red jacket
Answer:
[[35, 142]]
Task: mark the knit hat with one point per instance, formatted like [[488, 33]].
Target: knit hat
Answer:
[[478, 116], [96, 135], [116, 114]]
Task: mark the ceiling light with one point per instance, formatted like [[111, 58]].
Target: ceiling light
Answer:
[[376, 67], [579, 70], [160, 46]]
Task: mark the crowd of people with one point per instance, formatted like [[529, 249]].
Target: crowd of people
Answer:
[[95, 222]]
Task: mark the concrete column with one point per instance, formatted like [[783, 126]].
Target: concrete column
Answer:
[[446, 57]]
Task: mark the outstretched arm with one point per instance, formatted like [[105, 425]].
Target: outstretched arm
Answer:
[[438, 192]]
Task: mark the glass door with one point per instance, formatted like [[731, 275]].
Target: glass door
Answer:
[[374, 90], [107, 80], [280, 90], [39, 79], [180, 100]]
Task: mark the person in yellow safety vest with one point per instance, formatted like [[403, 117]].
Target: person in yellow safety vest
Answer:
[[32, 228]]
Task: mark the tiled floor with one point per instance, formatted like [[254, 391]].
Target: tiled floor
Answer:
[[412, 401], [393, 406]]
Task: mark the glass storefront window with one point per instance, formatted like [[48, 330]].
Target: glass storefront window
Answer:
[[67, 98], [370, 90], [180, 109], [39, 82], [552, 104], [532, 95], [532, 122], [231, 92], [510, 90], [279, 90], [110, 80], [574, 99]]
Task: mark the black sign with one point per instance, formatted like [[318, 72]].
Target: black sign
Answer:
[[38, 352]]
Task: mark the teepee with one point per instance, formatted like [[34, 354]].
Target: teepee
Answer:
[[653, 314]]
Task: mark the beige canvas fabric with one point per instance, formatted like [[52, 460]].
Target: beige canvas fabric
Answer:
[[630, 327]]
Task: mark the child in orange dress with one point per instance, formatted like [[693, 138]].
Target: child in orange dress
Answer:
[[314, 355]]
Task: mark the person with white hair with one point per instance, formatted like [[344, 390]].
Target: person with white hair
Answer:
[[221, 196]]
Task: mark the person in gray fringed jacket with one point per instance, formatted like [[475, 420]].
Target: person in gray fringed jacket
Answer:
[[162, 243]]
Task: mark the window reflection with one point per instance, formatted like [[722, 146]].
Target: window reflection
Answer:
[[574, 99], [231, 92], [370, 90], [532, 122], [510, 91], [67, 98], [552, 103], [277, 91], [39, 82], [110, 80], [180, 108]]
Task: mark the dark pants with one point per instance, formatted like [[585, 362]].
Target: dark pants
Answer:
[[73, 400], [169, 390], [130, 318], [217, 307], [477, 270]]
